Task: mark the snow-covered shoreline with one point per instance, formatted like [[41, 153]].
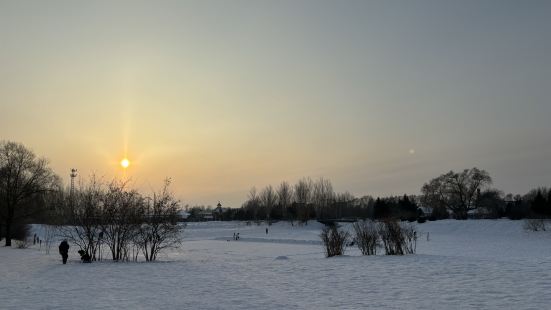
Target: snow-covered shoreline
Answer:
[[479, 264]]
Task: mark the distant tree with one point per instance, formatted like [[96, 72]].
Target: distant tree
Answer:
[[303, 198], [381, 210], [268, 200], [303, 191], [491, 203], [284, 197], [23, 179], [515, 208], [322, 196], [539, 204], [343, 205], [457, 191], [252, 204], [408, 207]]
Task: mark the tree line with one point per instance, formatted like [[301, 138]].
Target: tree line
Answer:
[[459, 195], [126, 221]]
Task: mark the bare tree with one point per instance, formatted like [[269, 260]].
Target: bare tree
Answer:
[[303, 191], [121, 218], [284, 197], [458, 192], [322, 196], [253, 203], [23, 178], [268, 200], [303, 198], [83, 227], [160, 229]]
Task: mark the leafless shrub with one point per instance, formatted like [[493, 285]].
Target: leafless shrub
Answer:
[[397, 240], [85, 211], [410, 238], [122, 215], [366, 236], [534, 225], [334, 240], [160, 229]]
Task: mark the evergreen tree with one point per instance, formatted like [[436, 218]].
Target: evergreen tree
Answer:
[[539, 204], [381, 209]]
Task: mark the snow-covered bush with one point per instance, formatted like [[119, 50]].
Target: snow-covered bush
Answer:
[[366, 236], [334, 240], [397, 239], [534, 225]]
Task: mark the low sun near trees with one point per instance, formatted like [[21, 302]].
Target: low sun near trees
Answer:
[[95, 216], [122, 220]]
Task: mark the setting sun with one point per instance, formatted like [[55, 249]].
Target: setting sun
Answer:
[[125, 163]]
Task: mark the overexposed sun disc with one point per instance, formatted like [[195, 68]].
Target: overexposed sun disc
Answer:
[[125, 163]]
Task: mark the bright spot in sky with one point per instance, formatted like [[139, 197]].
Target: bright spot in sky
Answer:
[[125, 163], [412, 151]]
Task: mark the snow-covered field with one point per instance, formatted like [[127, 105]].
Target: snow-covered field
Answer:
[[480, 264]]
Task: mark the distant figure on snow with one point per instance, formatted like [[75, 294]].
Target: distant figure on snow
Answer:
[[237, 236], [64, 250], [84, 257], [266, 230]]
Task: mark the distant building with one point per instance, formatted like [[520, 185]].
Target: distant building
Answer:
[[218, 211]]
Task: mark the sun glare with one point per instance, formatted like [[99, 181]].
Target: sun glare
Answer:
[[125, 163]]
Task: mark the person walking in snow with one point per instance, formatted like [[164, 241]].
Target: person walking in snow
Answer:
[[64, 250], [266, 230]]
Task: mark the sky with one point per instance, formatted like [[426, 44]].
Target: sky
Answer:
[[220, 96]]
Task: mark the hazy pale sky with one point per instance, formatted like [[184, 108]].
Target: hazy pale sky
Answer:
[[378, 96]]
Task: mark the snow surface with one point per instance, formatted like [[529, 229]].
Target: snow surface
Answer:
[[480, 264]]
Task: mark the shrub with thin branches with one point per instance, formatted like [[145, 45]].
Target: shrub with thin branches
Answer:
[[534, 225], [397, 239], [366, 236], [410, 238], [334, 240]]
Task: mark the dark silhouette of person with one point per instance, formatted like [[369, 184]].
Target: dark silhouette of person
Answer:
[[64, 250], [84, 257], [266, 230]]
